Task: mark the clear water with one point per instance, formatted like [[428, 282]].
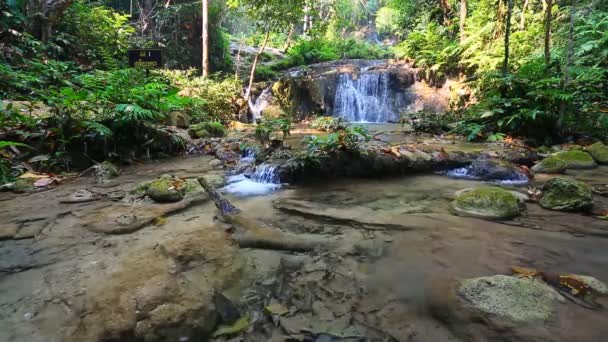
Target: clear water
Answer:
[[465, 173]]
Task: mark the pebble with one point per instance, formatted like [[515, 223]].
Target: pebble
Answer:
[[28, 316]]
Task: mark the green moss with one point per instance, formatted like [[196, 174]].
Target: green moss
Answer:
[[551, 164], [109, 170], [207, 129], [599, 152], [164, 189], [566, 194], [22, 185], [576, 159], [487, 202]]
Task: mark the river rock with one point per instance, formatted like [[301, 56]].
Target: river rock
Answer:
[[495, 169], [551, 164], [23, 185], [487, 202], [166, 189], [161, 291], [518, 299], [566, 194], [576, 159], [179, 120], [599, 152]]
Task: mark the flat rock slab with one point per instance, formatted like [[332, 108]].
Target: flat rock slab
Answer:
[[124, 219], [353, 215]]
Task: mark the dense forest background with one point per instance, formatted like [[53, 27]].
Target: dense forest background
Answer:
[[533, 68]]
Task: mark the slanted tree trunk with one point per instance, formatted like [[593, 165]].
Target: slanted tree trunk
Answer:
[[238, 59], [548, 19], [522, 18], [205, 37], [505, 65], [255, 64], [289, 36], [463, 18], [569, 54]]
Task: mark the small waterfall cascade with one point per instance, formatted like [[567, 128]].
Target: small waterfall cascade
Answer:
[[365, 98], [263, 180], [248, 156], [266, 173], [260, 103]]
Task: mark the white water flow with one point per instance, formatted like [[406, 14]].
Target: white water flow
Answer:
[[364, 98], [264, 180], [261, 102]]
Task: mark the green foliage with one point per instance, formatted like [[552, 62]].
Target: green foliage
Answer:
[[264, 73], [346, 138], [329, 123], [96, 34], [318, 50], [388, 20], [267, 127]]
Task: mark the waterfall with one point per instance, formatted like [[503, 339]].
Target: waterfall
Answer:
[[256, 107], [263, 180], [365, 98]]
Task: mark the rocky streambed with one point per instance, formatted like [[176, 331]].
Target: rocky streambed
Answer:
[[378, 259]]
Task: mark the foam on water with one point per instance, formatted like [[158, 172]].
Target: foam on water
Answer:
[[263, 181], [465, 173]]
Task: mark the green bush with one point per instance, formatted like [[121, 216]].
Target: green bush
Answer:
[[265, 129], [329, 123]]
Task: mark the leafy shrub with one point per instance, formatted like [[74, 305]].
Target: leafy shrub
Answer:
[[265, 129], [329, 123], [264, 73], [346, 139]]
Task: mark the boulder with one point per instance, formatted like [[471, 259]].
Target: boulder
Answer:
[[566, 194], [487, 202], [599, 152], [207, 130], [179, 119], [551, 164], [518, 299], [576, 159]]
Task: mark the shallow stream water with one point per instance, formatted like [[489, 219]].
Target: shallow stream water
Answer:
[[391, 284]]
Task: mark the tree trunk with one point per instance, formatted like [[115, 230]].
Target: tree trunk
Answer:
[[255, 64], [463, 18], [238, 60], [566, 82], [289, 36], [44, 14], [205, 38], [522, 18], [548, 19], [505, 66]]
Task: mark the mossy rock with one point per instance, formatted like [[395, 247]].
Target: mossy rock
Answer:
[[566, 194], [166, 189], [22, 185], [576, 159], [109, 170], [487, 202], [599, 152], [551, 164], [207, 130]]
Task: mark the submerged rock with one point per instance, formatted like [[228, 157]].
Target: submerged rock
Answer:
[[487, 202], [599, 152], [519, 299], [576, 159], [551, 164], [566, 194]]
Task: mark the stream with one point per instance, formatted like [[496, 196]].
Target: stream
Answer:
[[68, 276]]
